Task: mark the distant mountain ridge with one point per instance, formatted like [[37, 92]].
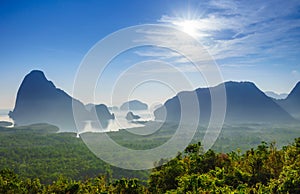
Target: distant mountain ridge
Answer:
[[39, 101], [275, 95], [245, 104]]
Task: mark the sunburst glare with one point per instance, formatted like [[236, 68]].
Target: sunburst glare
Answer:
[[189, 27]]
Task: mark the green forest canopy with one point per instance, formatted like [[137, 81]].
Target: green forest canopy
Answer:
[[264, 169]]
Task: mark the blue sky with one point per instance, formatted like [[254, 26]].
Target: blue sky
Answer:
[[257, 41]]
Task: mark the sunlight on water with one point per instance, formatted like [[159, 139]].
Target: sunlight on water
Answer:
[[120, 122]]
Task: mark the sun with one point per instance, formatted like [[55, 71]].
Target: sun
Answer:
[[189, 27]]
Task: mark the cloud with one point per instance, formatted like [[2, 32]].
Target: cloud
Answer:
[[243, 30], [237, 34], [173, 46], [202, 25], [233, 65]]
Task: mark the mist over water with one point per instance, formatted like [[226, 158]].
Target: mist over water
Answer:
[[120, 122]]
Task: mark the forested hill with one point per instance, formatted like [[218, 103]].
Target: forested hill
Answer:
[[264, 169]]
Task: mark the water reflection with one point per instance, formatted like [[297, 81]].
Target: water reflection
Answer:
[[120, 122]]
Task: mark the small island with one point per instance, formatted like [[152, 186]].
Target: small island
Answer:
[[134, 105], [130, 116]]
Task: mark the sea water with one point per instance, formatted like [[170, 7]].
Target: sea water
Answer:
[[120, 122]]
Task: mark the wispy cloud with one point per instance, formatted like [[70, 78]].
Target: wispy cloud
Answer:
[[246, 30], [173, 46], [234, 65]]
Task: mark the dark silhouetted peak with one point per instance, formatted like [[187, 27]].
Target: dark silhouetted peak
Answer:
[[103, 112], [130, 116], [36, 74], [35, 85], [37, 79], [244, 92], [292, 103], [39, 101], [134, 105], [245, 103], [239, 84], [247, 87], [295, 93]]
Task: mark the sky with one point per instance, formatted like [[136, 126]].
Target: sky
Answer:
[[256, 41]]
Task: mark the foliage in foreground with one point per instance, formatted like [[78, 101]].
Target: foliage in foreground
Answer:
[[261, 170]]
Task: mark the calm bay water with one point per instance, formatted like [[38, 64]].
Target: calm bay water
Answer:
[[120, 122]]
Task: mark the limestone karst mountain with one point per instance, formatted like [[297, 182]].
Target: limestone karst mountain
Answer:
[[245, 104]]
